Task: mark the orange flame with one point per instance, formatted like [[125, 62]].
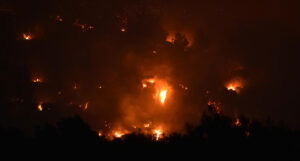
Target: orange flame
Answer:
[[40, 107], [235, 85], [237, 122], [171, 38], [157, 134], [27, 36], [37, 80], [118, 134], [163, 95]]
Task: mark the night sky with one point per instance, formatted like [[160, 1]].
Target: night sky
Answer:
[[98, 58]]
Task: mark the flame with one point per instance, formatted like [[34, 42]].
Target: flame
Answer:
[[37, 80], [216, 107], [75, 86], [40, 106], [86, 105], [100, 133], [27, 36], [145, 85], [163, 95], [157, 134], [147, 82], [235, 85], [147, 125], [160, 86], [237, 122], [118, 134], [123, 29], [171, 38]]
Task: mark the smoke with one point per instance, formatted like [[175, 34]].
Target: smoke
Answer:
[[214, 43]]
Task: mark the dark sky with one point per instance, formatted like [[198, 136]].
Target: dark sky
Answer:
[[253, 40]]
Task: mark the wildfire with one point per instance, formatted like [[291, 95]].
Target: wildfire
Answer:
[[235, 85], [163, 95], [161, 87], [157, 134], [40, 107], [100, 133], [27, 36]]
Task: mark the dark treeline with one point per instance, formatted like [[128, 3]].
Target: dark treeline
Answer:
[[215, 133]]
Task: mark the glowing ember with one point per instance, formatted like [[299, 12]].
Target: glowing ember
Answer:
[[75, 86], [40, 107], [214, 106], [183, 87], [86, 105], [163, 96], [37, 80], [157, 134], [27, 36], [123, 29], [83, 27], [237, 122], [58, 19], [100, 133], [247, 133]]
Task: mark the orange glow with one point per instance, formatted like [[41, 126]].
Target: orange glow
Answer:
[[171, 38], [75, 86], [145, 85], [161, 87], [40, 107], [123, 29], [163, 95], [27, 36], [235, 85], [157, 134], [216, 107], [147, 125], [147, 82], [118, 134], [58, 18], [100, 134], [37, 80], [237, 122], [86, 105]]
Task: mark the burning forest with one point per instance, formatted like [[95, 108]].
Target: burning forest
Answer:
[[160, 70]]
